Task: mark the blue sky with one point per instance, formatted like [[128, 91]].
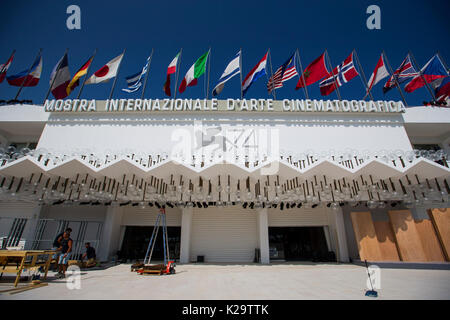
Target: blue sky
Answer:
[[311, 26]]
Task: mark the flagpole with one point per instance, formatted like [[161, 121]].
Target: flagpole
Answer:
[[303, 76], [146, 76], [362, 76], [395, 79], [117, 73], [86, 75], [26, 76], [176, 75], [54, 78], [423, 79], [209, 69], [14, 51], [240, 70], [443, 62], [271, 76], [332, 73]]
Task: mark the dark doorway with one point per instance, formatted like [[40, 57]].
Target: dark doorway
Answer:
[[137, 238], [298, 244]]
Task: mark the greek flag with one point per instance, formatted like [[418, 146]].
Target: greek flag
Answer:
[[232, 69], [134, 81]]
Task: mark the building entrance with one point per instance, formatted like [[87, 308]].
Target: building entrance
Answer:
[[137, 238], [298, 244]]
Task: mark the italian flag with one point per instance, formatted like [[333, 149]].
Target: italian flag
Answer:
[[172, 68], [197, 69]]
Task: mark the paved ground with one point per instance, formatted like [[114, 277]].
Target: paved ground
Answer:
[[280, 281]]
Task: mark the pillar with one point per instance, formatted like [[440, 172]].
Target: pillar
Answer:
[[341, 236], [110, 233], [185, 239], [263, 233]]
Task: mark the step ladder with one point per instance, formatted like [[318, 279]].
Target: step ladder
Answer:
[[160, 222]]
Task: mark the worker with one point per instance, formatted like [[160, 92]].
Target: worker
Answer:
[[90, 255], [56, 244], [66, 249]]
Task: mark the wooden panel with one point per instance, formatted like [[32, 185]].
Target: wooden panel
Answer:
[[441, 221], [366, 237], [430, 242], [386, 241], [408, 241]]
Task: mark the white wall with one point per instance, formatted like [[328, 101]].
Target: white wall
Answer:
[[147, 132]]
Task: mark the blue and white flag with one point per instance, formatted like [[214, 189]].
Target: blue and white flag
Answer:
[[135, 81], [232, 69]]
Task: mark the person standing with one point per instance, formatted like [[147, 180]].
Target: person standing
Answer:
[[56, 244], [65, 248]]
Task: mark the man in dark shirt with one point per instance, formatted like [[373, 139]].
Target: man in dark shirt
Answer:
[[90, 255], [65, 243], [57, 244]]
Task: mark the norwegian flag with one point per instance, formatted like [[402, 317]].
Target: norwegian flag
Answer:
[[403, 73], [284, 73], [4, 67], [343, 73]]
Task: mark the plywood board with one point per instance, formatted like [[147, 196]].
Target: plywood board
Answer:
[[430, 241], [386, 241], [407, 238], [366, 237], [441, 222]]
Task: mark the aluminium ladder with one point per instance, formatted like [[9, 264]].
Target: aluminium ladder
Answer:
[[160, 222]]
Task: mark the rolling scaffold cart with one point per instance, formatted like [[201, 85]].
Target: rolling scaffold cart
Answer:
[[169, 265]]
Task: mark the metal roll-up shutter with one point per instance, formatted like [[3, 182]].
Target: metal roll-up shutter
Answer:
[[136, 216], [224, 235], [11, 209], [298, 217]]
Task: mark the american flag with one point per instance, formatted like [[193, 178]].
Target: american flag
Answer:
[[403, 73], [286, 72]]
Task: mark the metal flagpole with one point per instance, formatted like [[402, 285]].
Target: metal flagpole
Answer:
[[54, 78], [271, 75], [26, 76], [117, 73], [240, 70], [395, 79], [443, 62], [332, 73], [14, 51], [86, 75], [176, 75], [423, 79], [303, 76], [146, 76], [362, 76], [209, 69]]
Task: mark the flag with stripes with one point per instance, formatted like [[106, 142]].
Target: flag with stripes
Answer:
[[286, 72], [134, 82], [403, 73], [232, 69]]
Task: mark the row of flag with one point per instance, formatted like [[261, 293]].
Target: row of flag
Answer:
[[434, 75]]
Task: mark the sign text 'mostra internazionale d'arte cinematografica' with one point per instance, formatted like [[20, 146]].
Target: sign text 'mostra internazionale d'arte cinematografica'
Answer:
[[228, 105]]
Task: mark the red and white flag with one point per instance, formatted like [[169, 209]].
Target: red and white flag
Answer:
[[106, 72], [172, 68], [378, 74], [4, 67]]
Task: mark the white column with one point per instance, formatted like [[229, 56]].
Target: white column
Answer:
[[109, 243], [185, 241], [263, 232], [341, 237]]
